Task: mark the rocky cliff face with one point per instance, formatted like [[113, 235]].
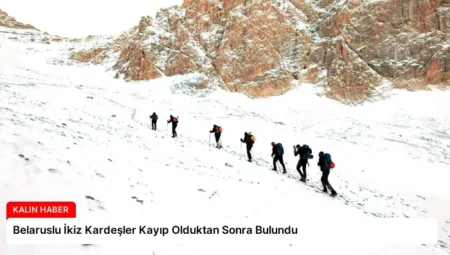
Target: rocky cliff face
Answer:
[[7, 21], [259, 47]]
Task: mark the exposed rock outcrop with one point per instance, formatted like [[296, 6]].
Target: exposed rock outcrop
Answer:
[[8, 21], [259, 47]]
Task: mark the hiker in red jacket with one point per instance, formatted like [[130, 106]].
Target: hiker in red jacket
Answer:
[[174, 121], [217, 130]]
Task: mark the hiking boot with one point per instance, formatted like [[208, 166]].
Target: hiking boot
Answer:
[[325, 190], [333, 193], [284, 172], [249, 160], [274, 169]]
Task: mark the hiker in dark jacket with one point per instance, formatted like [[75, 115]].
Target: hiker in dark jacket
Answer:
[[325, 173], [154, 118], [217, 130], [304, 152], [278, 157], [249, 144], [174, 122]]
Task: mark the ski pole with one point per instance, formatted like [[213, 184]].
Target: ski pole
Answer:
[[209, 142]]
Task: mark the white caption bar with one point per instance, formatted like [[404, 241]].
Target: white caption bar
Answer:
[[375, 231]]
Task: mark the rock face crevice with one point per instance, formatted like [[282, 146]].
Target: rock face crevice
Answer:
[[260, 47]]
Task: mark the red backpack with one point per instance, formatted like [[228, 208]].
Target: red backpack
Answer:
[[175, 120], [219, 129]]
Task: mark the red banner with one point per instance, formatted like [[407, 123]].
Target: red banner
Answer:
[[41, 209]]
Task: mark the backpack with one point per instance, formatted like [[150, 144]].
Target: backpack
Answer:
[[327, 161], [175, 120], [249, 137], [307, 152], [219, 129], [280, 149]]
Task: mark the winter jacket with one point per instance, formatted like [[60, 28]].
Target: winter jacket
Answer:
[[171, 121], [247, 139], [302, 151], [321, 164], [154, 117], [215, 130], [275, 151]]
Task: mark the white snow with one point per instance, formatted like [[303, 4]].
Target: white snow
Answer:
[[392, 156]]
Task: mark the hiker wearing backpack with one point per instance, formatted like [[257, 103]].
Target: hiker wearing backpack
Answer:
[[217, 130], [154, 118], [174, 121], [325, 163], [305, 153], [249, 140], [278, 151]]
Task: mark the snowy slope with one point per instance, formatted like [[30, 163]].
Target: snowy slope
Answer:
[[74, 133]]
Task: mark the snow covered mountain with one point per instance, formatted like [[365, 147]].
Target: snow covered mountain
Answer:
[[73, 132], [263, 47]]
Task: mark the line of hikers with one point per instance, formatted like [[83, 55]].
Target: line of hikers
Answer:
[[304, 152]]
